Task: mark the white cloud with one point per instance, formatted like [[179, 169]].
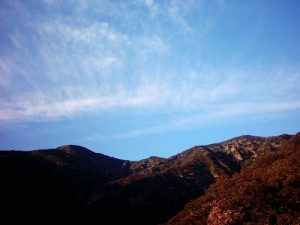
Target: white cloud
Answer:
[[49, 2], [154, 94], [65, 67], [153, 7], [86, 32], [175, 11], [214, 115], [155, 43], [47, 106], [5, 71]]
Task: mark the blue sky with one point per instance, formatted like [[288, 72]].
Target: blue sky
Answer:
[[137, 78]]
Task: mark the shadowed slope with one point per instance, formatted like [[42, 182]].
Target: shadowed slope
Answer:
[[53, 184]]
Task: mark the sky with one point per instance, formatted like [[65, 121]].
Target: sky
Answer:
[[136, 78]]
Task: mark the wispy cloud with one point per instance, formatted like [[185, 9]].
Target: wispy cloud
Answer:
[[192, 93], [175, 11], [106, 59], [45, 108], [214, 115], [152, 6]]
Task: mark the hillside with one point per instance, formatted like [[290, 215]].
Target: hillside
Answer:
[[267, 191], [73, 184]]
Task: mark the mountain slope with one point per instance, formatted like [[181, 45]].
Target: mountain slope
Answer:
[[72, 183], [54, 183], [267, 191]]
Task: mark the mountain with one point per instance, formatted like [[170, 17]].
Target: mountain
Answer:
[[267, 191], [72, 184], [53, 183]]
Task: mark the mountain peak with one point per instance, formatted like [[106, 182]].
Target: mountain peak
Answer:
[[73, 149]]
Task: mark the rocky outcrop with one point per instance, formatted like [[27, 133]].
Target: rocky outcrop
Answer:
[[266, 191]]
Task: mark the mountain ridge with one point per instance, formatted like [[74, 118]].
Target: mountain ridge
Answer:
[[264, 192], [100, 187]]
